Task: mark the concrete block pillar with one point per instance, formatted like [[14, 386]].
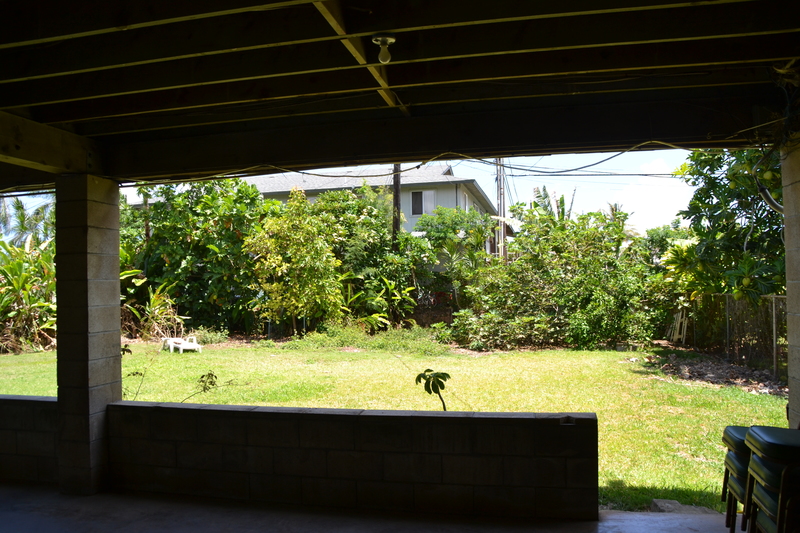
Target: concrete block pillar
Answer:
[[790, 172], [89, 363]]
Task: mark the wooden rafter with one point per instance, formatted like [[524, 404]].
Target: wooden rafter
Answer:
[[332, 12]]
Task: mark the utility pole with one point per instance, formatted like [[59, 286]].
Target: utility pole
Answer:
[[501, 209], [396, 211]]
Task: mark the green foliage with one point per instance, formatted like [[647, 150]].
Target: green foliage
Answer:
[[412, 341], [209, 335], [24, 224], [459, 238], [658, 241], [739, 245], [573, 282], [550, 207], [266, 344], [195, 246], [233, 261], [295, 266], [159, 317], [377, 280], [447, 224], [206, 383], [27, 296], [434, 383]]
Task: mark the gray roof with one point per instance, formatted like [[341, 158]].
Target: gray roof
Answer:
[[279, 184]]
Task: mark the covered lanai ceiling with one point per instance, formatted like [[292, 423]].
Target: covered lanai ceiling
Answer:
[[186, 89]]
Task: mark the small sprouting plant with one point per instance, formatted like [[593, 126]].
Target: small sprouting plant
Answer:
[[434, 382], [208, 382]]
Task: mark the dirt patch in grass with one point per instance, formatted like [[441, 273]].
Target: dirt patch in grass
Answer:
[[716, 370]]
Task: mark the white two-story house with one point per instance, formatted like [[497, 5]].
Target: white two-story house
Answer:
[[421, 190]]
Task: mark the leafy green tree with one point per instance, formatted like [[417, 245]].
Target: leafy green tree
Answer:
[[459, 239], [377, 280], [574, 282], [434, 383], [448, 224], [739, 237], [658, 241], [196, 247], [22, 223], [295, 265]]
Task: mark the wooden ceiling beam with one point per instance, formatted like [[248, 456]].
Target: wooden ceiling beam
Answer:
[[322, 57], [241, 115], [23, 23], [165, 76], [517, 130], [623, 60], [603, 31], [14, 178], [190, 99], [165, 44], [243, 29], [27, 144], [656, 83], [500, 41], [331, 11], [424, 95], [368, 17], [626, 61]]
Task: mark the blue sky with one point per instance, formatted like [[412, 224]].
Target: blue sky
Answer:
[[652, 201]]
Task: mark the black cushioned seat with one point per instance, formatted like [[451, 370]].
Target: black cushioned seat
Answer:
[[734, 483], [737, 465], [766, 524], [773, 484], [766, 500], [734, 438], [777, 444], [766, 472], [736, 493]]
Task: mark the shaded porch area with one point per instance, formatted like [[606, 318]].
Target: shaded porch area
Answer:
[[45, 510]]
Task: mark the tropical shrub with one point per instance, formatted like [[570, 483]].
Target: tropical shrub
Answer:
[[27, 296], [378, 275], [192, 241], [209, 335], [575, 282], [295, 267]]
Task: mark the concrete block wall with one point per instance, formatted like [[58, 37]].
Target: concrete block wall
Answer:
[[28, 426], [489, 464], [790, 171]]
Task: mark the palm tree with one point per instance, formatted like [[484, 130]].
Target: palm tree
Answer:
[[4, 215], [434, 382], [615, 215], [24, 224], [549, 206]]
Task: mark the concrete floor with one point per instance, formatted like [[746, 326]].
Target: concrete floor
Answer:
[[37, 509]]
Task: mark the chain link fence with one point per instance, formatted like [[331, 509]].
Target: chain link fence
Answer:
[[752, 335]]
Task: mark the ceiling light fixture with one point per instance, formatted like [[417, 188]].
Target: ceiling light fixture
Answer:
[[384, 40]]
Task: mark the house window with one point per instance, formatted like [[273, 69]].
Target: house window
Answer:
[[423, 202]]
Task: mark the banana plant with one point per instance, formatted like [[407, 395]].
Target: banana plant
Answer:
[[434, 382]]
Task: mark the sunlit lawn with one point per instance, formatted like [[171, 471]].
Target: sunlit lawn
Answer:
[[659, 437]]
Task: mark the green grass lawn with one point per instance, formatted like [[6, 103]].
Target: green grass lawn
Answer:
[[660, 437]]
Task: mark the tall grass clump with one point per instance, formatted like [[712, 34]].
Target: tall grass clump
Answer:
[[414, 340]]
